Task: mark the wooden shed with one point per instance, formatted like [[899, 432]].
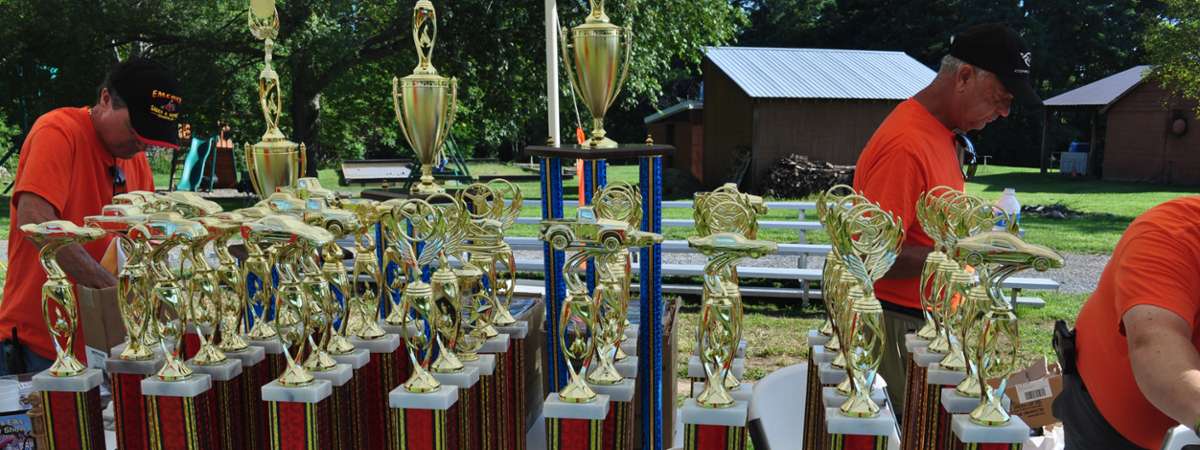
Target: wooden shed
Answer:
[[762, 104], [1149, 134], [681, 125]]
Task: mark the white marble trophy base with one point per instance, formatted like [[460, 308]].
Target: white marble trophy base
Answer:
[[912, 342], [272, 346], [925, 358], [816, 338], [356, 359], [555, 408], [192, 386], [124, 366], [495, 344], [384, 344], [464, 379], [86, 381], [223, 371], [954, 403], [968, 432], [339, 375], [821, 355], [936, 375], [399, 330], [249, 356], [733, 416], [629, 346], [440, 400], [516, 330], [835, 399], [882, 425], [829, 375], [696, 370], [620, 392], [310, 393], [627, 367], [743, 393], [486, 364]]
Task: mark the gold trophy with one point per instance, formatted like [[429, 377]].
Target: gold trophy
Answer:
[[58, 295], [484, 242], [593, 65], [275, 161], [721, 315], [256, 273], [425, 102], [577, 333], [172, 296], [232, 306], [423, 313], [867, 240], [341, 298], [319, 304], [408, 224], [133, 288], [473, 303], [446, 300], [362, 302], [623, 202], [293, 322], [993, 340], [830, 205], [203, 295]]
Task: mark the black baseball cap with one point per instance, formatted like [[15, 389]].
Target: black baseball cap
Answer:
[[152, 94], [998, 49]]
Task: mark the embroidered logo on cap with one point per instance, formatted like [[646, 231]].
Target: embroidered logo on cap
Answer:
[[164, 106]]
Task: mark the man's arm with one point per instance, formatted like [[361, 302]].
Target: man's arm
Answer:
[[76, 261], [910, 262], [1165, 363]]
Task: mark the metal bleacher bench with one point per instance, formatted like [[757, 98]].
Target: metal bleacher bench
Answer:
[[807, 276]]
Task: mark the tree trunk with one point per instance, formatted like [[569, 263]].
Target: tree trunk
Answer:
[[305, 111]]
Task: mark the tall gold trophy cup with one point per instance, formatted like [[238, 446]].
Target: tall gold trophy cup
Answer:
[[425, 102], [275, 161], [592, 66]]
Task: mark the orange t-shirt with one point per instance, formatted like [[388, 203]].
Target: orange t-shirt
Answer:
[[64, 162], [1154, 264], [910, 153]]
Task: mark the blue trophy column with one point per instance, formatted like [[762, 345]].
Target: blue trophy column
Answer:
[[556, 288], [650, 330]]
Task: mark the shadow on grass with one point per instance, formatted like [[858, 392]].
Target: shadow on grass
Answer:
[[769, 307]]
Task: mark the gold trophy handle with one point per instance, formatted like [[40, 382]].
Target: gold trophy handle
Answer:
[[451, 115], [251, 166], [397, 95], [303, 161]]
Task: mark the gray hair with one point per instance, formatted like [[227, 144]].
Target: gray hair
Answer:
[[950, 64]]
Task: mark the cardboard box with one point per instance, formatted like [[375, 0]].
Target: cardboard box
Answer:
[[1033, 391], [100, 317]]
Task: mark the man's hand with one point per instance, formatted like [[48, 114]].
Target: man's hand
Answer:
[[76, 261], [1165, 363], [909, 263]]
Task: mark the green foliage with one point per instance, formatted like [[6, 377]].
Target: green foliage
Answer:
[[1173, 44], [336, 60]]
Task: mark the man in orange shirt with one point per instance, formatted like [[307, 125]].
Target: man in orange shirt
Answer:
[[1136, 370], [914, 150], [72, 163]]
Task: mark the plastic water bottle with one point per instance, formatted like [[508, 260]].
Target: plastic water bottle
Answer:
[[1009, 204]]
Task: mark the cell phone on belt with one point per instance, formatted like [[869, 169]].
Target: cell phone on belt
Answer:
[[1064, 346]]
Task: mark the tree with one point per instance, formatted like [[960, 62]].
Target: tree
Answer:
[[1173, 44], [336, 60]]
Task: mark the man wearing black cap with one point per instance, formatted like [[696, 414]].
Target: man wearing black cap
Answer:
[[917, 148], [72, 163]]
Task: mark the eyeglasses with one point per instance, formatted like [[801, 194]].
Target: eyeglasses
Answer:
[[118, 177], [965, 151]]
